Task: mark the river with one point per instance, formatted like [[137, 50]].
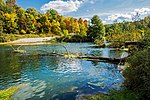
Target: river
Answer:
[[54, 77]]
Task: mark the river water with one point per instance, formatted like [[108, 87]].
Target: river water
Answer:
[[54, 77]]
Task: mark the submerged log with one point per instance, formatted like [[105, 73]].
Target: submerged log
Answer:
[[91, 58], [19, 51], [102, 58]]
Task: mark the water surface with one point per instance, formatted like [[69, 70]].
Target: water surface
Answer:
[[54, 77]]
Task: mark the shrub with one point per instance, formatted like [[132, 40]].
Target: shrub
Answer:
[[137, 75]]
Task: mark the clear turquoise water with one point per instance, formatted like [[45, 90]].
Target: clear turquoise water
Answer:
[[54, 77]]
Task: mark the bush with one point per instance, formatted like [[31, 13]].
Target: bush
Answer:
[[137, 75]]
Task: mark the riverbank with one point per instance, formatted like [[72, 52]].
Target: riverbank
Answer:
[[28, 41], [32, 40]]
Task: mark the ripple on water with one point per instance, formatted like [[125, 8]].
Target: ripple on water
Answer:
[[51, 77], [69, 66], [36, 88]]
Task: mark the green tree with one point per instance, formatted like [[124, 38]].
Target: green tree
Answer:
[[22, 23], [52, 15], [62, 22], [32, 11], [96, 29], [2, 6], [31, 21], [20, 12], [56, 27], [2, 3], [43, 24], [9, 23]]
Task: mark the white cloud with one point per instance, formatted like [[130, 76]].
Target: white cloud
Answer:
[[119, 16], [142, 11], [87, 10], [62, 7], [92, 2], [104, 22], [128, 16]]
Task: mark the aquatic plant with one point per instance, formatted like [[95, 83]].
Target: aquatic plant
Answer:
[[7, 93]]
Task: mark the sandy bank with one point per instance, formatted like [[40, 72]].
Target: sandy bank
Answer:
[[32, 40], [29, 41]]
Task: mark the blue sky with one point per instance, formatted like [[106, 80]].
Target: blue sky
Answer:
[[107, 10]]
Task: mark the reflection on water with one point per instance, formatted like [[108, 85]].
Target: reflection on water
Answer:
[[34, 89], [52, 77], [69, 65]]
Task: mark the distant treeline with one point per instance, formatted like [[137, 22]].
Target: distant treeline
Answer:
[[128, 31], [16, 20]]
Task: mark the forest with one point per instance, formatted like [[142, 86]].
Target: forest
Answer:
[[14, 20]]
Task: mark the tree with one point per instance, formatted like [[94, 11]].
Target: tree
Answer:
[[75, 27], [68, 25], [43, 24], [96, 29], [2, 3], [22, 23], [9, 21], [2, 6], [20, 12], [62, 25], [56, 27], [62, 22], [52, 14], [86, 23], [32, 11], [11, 2]]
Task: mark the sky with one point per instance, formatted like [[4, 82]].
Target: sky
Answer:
[[107, 10]]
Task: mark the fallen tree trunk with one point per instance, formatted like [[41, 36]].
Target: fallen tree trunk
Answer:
[[102, 58]]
